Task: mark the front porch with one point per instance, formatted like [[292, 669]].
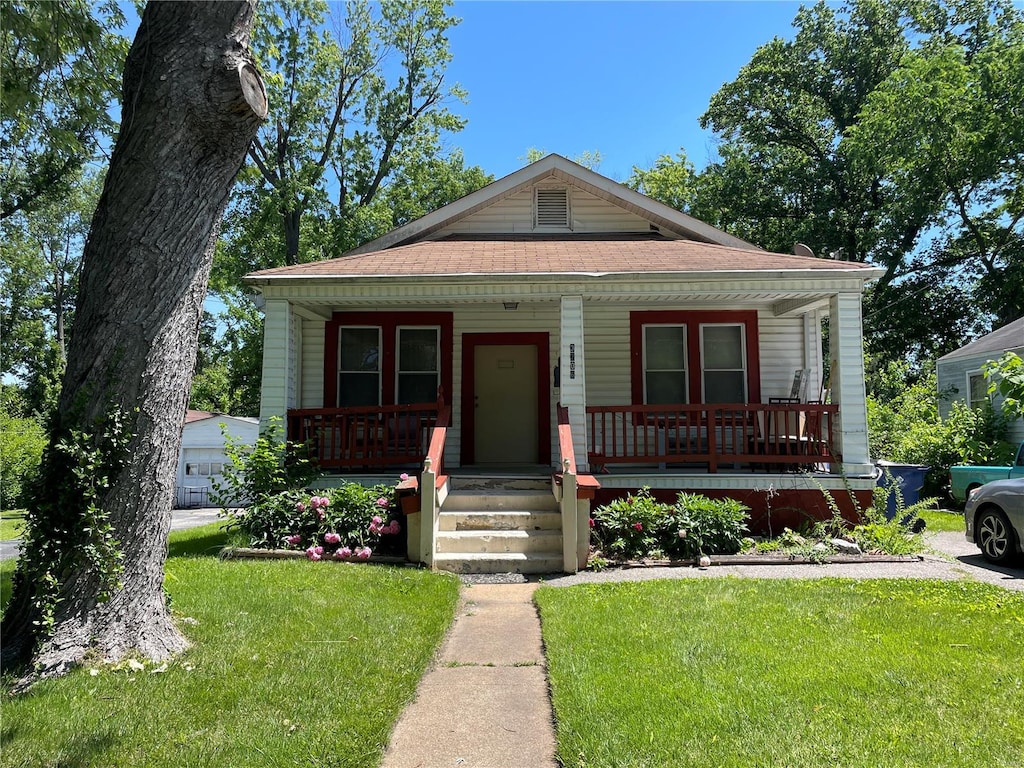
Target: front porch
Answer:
[[778, 459]]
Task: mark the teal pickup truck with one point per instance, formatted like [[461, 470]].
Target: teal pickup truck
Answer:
[[963, 480]]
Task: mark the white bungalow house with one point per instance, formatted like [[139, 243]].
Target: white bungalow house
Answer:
[[960, 375], [202, 458], [586, 341]]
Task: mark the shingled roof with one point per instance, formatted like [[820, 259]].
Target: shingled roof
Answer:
[[593, 254]]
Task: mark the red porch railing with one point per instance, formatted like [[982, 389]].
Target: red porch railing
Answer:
[[791, 435], [367, 438]]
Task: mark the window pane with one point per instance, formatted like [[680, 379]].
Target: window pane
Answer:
[[358, 389], [665, 347], [417, 349], [723, 346], [724, 387], [666, 387], [979, 390], [417, 388], [360, 349]]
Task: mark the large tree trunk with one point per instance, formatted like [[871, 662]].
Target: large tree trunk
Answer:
[[192, 103]]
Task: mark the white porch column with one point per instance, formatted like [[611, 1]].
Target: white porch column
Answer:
[[573, 391], [279, 359], [846, 350]]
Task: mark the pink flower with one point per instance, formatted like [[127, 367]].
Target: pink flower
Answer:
[[363, 553], [682, 533], [300, 507], [314, 553], [344, 553], [332, 538], [394, 528], [293, 540], [592, 522], [377, 520], [324, 501], [638, 526], [382, 502], [404, 476], [320, 514]]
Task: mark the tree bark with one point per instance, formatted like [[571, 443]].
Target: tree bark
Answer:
[[193, 101]]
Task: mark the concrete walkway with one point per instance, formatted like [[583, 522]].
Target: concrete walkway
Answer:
[[485, 702]]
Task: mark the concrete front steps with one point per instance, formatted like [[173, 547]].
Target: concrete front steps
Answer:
[[499, 525]]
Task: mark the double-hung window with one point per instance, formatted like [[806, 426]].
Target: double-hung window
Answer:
[[418, 369], [977, 390], [693, 357], [665, 379], [359, 366], [723, 363]]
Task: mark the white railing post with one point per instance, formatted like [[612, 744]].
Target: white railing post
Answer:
[[570, 558], [428, 513]]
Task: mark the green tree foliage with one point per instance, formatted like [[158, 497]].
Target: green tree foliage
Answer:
[[888, 132], [22, 440], [587, 158], [40, 260], [60, 64], [230, 365], [671, 180], [1006, 377], [356, 101]]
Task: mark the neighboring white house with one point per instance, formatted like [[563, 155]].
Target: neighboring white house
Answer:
[[960, 377], [571, 322], [202, 458]]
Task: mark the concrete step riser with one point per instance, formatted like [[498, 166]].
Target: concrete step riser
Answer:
[[451, 543], [488, 484], [499, 521], [500, 500], [498, 564]]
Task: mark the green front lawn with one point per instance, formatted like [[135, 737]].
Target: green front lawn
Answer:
[[943, 520], [11, 521], [737, 672], [292, 663]]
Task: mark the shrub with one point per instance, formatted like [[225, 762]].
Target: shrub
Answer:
[[270, 467], [639, 526], [711, 526], [633, 527], [343, 522], [22, 441]]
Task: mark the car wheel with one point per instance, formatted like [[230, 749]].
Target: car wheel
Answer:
[[995, 536]]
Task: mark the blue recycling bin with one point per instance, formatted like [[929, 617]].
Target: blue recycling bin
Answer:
[[909, 478]]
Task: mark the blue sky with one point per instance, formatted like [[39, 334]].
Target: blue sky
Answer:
[[626, 79]]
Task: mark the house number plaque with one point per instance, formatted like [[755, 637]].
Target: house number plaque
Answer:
[[572, 361]]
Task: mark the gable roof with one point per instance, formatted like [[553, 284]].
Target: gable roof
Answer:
[[592, 254], [561, 169], [1010, 336]]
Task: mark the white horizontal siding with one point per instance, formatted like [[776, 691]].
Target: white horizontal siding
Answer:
[[276, 335], [783, 354], [312, 386]]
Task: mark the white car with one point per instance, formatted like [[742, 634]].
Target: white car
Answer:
[[995, 519]]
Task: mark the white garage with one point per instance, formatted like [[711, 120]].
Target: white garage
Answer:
[[202, 458]]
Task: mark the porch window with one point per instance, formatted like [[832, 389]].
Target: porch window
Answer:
[[418, 370], [723, 363], [387, 358], [665, 364], [358, 366], [698, 356]]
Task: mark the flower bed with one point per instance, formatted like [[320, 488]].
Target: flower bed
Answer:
[[351, 522]]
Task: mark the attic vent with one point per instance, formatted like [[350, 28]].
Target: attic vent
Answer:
[[552, 207]]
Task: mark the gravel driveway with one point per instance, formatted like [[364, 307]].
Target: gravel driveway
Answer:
[[952, 558]]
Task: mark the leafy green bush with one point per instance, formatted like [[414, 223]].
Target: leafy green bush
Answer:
[[346, 522], [904, 427], [631, 528], [711, 526], [270, 467], [639, 526]]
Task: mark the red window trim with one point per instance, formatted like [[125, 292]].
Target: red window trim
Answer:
[[693, 319], [389, 323]]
